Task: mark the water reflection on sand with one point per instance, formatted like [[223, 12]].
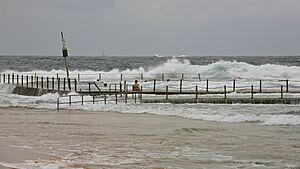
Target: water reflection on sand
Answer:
[[114, 140]]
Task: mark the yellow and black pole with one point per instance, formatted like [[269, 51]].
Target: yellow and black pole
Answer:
[[65, 55]]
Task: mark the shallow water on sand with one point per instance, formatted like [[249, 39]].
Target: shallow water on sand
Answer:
[[113, 140]]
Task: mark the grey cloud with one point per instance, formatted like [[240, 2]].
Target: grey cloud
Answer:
[[146, 27]]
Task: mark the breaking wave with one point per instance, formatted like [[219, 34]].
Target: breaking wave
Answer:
[[6, 88], [221, 70]]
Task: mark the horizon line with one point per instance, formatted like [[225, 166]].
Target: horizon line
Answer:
[[45, 55]]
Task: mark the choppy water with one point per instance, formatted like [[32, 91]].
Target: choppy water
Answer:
[[246, 69], [246, 126], [106, 64]]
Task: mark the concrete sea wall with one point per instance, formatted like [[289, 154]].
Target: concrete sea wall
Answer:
[[28, 91]]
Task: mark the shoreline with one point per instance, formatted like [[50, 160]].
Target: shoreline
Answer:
[[16, 155], [88, 139]]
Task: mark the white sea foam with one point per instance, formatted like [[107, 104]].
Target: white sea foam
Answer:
[[174, 67], [263, 114], [282, 120], [44, 164], [6, 88], [275, 114], [219, 74]]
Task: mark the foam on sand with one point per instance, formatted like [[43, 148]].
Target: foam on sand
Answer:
[[12, 157]]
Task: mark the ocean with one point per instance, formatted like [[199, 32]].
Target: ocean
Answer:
[[179, 135]]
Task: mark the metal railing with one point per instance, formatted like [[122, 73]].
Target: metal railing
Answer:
[[105, 98]]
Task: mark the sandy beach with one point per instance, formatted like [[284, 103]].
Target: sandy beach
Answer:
[[36, 138], [10, 155], [150, 84]]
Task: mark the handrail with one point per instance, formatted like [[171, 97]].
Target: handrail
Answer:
[[95, 85], [93, 100], [156, 87]]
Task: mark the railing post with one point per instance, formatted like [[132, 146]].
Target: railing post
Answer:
[[82, 99], [251, 91], [69, 84], [182, 76], [75, 84], [37, 82], [70, 100], [167, 92], [134, 97], [196, 92], [47, 83], [78, 77], [207, 86], [13, 78], [260, 86], [58, 83], [31, 81], [154, 83], [162, 77], [199, 77], [17, 79], [42, 82], [225, 96], [64, 84], [57, 103], [105, 99], [233, 88], [121, 89], [121, 77], [180, 86], [4, 78], [126, 93], [116, 94], [8, 78], [141, 92], [27, 81], [52, 83], [22, 81], [124, 84], [287, 85], [89, 87]]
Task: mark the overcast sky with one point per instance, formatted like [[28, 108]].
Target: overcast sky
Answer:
[[149, 27]]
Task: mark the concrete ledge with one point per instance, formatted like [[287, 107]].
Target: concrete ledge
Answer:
[[226, 101], [28, 91]]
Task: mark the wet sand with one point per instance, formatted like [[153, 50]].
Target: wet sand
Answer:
[[11, 155], [73, 138]]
